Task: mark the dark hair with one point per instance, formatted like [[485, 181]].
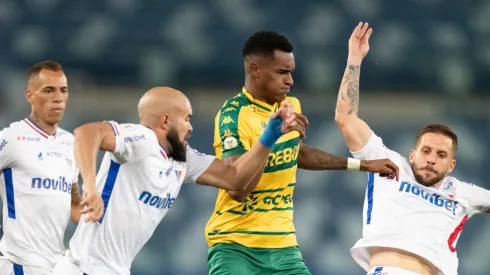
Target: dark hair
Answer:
[[265, 43], [439, 129], [44, 65]]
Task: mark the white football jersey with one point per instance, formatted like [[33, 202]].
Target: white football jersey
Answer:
[[38, 171], [139, 184], [409, 216]]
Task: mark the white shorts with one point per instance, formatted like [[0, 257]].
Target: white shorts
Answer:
[[65, 266], [9, 268], [387, 270]]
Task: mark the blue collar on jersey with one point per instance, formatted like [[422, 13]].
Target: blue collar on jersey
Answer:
[[36, 128]]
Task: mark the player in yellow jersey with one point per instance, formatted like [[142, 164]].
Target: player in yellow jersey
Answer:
[[252, 232]]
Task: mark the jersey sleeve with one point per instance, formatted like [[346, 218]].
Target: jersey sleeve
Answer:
[[197, 163], [6, 150], [478, 198], [233, 131], [374, 149], [132, 142]]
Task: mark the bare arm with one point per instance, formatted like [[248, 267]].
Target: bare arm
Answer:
[[355, 131], [76, 207], [240, 196], [310, 158], [89, 138], [237, 175]]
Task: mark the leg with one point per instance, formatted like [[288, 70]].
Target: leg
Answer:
[[234, 259], [289, 261]]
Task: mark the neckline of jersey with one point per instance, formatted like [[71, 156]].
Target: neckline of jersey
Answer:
[[38, 129], [268, 107]]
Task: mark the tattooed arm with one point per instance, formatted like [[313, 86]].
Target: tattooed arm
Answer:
[[355, 131]]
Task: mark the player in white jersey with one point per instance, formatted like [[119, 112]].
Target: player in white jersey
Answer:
[[39, 177], [411, 226], [141, 175]]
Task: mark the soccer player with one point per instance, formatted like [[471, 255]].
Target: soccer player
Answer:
[[39, 182], [410, 227], [252, 231], [141, 175]]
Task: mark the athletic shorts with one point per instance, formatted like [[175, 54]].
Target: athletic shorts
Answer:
[[9, 268], [235, 259], [386, 270]]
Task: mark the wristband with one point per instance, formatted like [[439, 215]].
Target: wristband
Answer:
[[353, 164], [271, 133]]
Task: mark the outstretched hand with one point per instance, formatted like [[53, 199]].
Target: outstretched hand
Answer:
[[359, 42], [385, 168]]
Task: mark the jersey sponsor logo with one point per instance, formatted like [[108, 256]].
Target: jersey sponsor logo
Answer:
[[134, 138], [265, 201], [156, 201], [227, 120], [230, 143], [54, 154], [283, 156], [28, 139], [3, 144], [434, 199], [59, 184]]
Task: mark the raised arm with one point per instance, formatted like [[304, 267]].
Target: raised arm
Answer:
[[355, 131], [89, 139]]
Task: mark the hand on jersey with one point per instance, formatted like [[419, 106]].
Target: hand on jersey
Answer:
[[92, 204], [289, 120], [385, 168], [359, 43]]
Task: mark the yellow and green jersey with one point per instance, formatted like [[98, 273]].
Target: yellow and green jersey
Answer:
[[265, 218]]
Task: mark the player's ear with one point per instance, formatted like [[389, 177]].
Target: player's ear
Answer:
[[412, 155], [254, 69], [29, 96], [165, 122], [452, 165]]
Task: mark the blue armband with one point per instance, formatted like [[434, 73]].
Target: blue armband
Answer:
[[271, 133]]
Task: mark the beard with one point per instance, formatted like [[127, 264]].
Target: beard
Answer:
[[420, 178], [178, 149]]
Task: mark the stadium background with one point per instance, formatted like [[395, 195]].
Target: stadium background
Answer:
[[429, 62]]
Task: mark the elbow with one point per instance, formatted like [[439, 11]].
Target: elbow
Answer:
[[80, 131], [340, 119]]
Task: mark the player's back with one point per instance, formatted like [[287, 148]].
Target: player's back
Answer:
[[139, 184], [265, 218], [406, 215], [38, 171]]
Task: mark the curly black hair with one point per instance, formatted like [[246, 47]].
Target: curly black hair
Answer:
[[265, 43]]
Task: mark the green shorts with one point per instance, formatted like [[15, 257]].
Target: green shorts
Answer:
[[235, 259]]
